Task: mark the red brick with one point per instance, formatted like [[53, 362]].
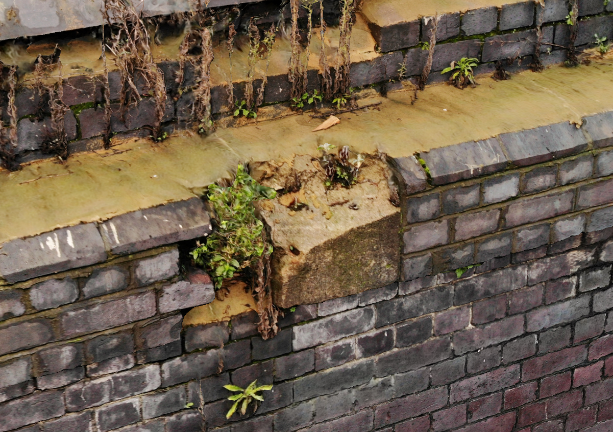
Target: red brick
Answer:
[[410, 406], [485, 383], [601, 427], [608, 367], [566, 402], [550, 426], [605, 411], [531, 414], [485, 407], [520, 395], [555, 384], [599, 391], [553, 362], [560, 289], [581, 419], [451, 320], [449, 418], [601, 347], [489, 310], [503, 423], [420, 424], [491, 334], [524, 300], [588, 374]]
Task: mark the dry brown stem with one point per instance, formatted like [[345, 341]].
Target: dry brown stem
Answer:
[[202, 93], [343, 57], [327, 89], [423, 79], [8, 139], [571, 53]]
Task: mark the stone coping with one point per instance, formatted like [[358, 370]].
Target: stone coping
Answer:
[[115, 186]]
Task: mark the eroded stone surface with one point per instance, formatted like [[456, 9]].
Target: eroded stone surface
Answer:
[[314, 258]]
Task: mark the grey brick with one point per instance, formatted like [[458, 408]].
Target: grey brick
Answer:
[[337, 305], [606, 255], [157, 226], [61, 250], [159, 333], [471, 225], [73, 423], [183, 295], [489, 310], [493, 247], [210, 388], [413, 357], [484, 407], [519, 349], [39, 332], [536, 209], [280, 396], [600, 220], [490, 284], [416, 285], [454, 257], [412, 306], [262, 372], [558, 313], [448, 27], [334, 354], [207, 336], [293, 418], [464, 161], [516, 15], [113, 365], [53, 293], [246, 324], [594, 279], [60, 379], [526, 299], [588, 328], [603, 300], [425, 236], [109, 346], [568, 227], [417, 267], [600, 128], [480, 21], [444, 54], [511, 45], [184, 421], [378, 294], [406, 383], [381, 390], [15, 372], [163, 266], [485, 383], [451, 320], [375, 342], [604, 164], [553, 340], [167, 402], [414, 332], [576, 170], [336, 405], [107, 315], [554, 10], [483, 360], [420, 209], [539, 179], [490, 334], [105, 281], [591, 7], [56, 359], [31, 409], [413, 175], [333, 380], [294, 365], [17, 390], [274, 347], [595, 194], [11, 304], [363, 420], [301, 313], [333, 328], [152, 426], [530, 238], [448, 371], [459, 199], [118, 414], [541, 144], [501, 188]]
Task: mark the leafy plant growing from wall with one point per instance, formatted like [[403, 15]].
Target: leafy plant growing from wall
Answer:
[[245, 396], [462, 72], [602, 44]]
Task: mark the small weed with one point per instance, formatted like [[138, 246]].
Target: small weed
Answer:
[[245, 396], [292, 309], [601, 42], [606, 3], [339, 168], [402, 70], [424, 166], [570, 18], [241, 109], [425, 46], [462, 72], [162, 137], [306, 99], [459, 272]]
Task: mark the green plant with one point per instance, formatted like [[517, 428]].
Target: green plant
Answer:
[[459, 272], [162, 137], [241, 109], [339, 168], [239, 241], [340, 101], [425, 46], [570, 18], [462, 72], [306, 98], [606, 3], [246, 396], [402, 70], [601, 42], [424, 166]]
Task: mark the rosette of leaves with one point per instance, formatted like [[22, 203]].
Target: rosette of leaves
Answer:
[[462, 72], [245, 396], [239, 241], [340, 168]]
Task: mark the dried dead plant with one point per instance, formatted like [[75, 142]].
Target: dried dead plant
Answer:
[[537, 64], [262, 293], [295, 74], [55, 141], [343, 60], [268, 45], [201, 110], [106, 96], [571, 54], [130, 44], [423, 79], [327, 89], [253, 56], [230, 48], [8, 138]]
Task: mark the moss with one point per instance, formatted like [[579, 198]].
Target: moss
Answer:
[[77, 109]]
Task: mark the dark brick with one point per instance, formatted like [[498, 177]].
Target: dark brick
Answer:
[[56, 359], [211, 389], [539, 179], [483, 360], [601, 347], [460, 198], [60, 379], [360, 421], [410, 406], [451, 320], [301, 314], [485, 383], [274, 347], [494, 247], [419, 424], [39, 332], [378, 294], [603, 300], [519, 349], [560, 289], [526, 299], [294, 365], [184, 421], [414, 357], [564, 403], [335, 354], [581, 419], [375, 342], [448, 27], [280, 396], [587, 375], [588, 328], [553, 362], [109, 346], [31, 409], [554, 339], [417, 267], [337, 305], [160, 267], [117, 415], [449, 418], [489, 284], [604, 164], [559, 266], [501, 188], [485, 407], [333, 380], [419, 209], [74, 423], [426, 236], [520, 395], [413, 286], [576, 170], [293, 418], [336, 405], [246, 324], [160, 333], [448, 371], [471, 225], [600, 128], [489, 310], [453, 257], [555, 384], [464, 161], [113, 365], [412, 306], [595, 278], [263, 372], [558, 313], [411, 172], [479, 21], [403, 384], [511, 45], [396, 36], [105, 281], [595, 194], [550, 426], [11, 304], [413, 332], [531, 414], [491, 334], [183, 295], [167, 402], [334, 327], [516, 15]]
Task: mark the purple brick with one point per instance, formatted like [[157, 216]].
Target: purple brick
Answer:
[[531, 238], [491, 334], [414, 357], [489, 310], [425, 236], [559, 266], [535, 209], [420, 209], [539, 179], [485, 407], [519, 349], [451, 320], [410, 406], [471, 225], [489, 284], [335, 354], [39, 332], [460, 198], [553, 362], [520, 395], [449, 418], [31, 409], [483, 360], [337, 305], [600, 127], [486, 383], [604, 164], [576, 170], [526, 299], [559, 313], [595, 194]]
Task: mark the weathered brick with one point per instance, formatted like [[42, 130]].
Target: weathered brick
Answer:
[[479, 21], [448, 371], [595, 194], [559, 266], [603, 300], [599, 391], [410, 406], [412, 306], [294, 365], [333, 380], [485, 383], [485, 407], [184, 421], [274, 347], [568, 227], [109, 346], [383, 390], [413, 332], [489, 284], [601, 347], [336, 405], [333, 328], [56, 359], [560, 289], [451, 320], [564, 403], [337, 305], [73, 423], [334, 354], [516, 15], [280, 396], [581, 419], [587, 375], [416, 285], [531, 238], [211, 389], [425, 236], [107, 315], [555, 384], [420, 209], [501, 188], [519, 349], [554, 339], [246, 324], [588, 328], [118, 414], [375, 342], [396, 36], [417, 267], [491, 334], [15, 372], [604, 164], [482, 360], [576, 170], [471, 225], [183, 295], [558, 313], [11, 304], [419, 424], [105, 281], [160, 267], [511, 45], [553, 362], [113, 365], [526, 299], [448, 27], [60, 379], [207, 336], [301, 313], [39, 332], [494, 247], [599, 128], [539, 179], [53, 293], [520, 395], [414, 357], [378, 294], [535, 209], [167, 402], [31, 409], [489, 310], [449, 418], [459, 199], [550, 426]]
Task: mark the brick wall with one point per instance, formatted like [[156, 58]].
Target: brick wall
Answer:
[[489, 34]]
